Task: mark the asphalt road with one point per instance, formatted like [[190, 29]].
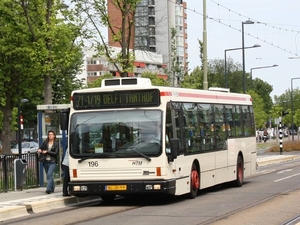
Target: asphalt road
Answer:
[[269, 197]]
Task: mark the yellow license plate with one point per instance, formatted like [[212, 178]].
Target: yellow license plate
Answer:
[[116, 187]]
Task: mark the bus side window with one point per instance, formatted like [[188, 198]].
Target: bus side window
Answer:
[[220, 132]]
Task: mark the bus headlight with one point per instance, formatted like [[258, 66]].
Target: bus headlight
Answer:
[[156, 187], [152, 187], [80, 188]]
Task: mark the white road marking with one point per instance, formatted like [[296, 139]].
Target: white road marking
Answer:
[[283, 171], [297, 174]]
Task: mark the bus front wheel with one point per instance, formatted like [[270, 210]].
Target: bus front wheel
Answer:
[[195, 182], [239, 172]]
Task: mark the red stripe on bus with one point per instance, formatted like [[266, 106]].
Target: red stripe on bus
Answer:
[[205, 96], [165, 93]]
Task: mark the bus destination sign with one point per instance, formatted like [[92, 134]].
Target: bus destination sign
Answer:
[[116, 99]]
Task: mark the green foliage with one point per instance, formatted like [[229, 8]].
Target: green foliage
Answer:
[[201, 53], [289, 104], [155, 80], [260, 115], [176, 73], [193, 80], [264, 90], [36, 49], [97, 83]]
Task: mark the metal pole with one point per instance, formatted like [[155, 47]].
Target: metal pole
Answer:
[[225, 72], [40, 130], [261, 67], [205, 82], [251, 77], [243, 56], [292, 106], [232, 49], [19, 131]]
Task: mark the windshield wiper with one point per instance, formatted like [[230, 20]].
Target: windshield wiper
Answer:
[[89, 157], [146, 157], [110, 155]]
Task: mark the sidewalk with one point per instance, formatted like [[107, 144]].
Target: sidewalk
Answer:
[[22, 203]]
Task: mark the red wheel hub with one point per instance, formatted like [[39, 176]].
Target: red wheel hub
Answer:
[[195, 179]]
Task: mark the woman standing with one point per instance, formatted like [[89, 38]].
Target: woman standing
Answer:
[[50, 149]]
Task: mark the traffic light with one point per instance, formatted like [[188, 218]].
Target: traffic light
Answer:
[[283, 113]]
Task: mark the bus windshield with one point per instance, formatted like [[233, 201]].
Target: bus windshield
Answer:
[[131, 133]]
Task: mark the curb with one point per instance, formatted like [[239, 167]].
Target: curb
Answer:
[[11, 212], [37, 206], [55, 203], [275, 159]]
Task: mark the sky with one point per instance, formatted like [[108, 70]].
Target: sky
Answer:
[[276, 30]]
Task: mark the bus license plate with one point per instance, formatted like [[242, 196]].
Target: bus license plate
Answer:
[[116, 187]]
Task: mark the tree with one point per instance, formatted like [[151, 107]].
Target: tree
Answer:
[[35, 46], [98, 82], [155, 80], [193, 80], [95, 14], [264, 90], [286, 103], [65, 81], [176, 70], [201, 52], [260, 115]]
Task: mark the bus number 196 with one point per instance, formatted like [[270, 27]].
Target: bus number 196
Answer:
[[93, 164]]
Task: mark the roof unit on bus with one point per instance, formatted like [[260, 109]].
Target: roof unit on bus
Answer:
[[219, 89], [125, 81]]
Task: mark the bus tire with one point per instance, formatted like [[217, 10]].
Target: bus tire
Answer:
[[108, 198], [239, 172], [195, 182]]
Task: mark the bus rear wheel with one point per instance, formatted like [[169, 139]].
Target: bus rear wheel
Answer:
[[239, 172], [195, 182]]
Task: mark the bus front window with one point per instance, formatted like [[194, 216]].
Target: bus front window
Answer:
[[116, 133]]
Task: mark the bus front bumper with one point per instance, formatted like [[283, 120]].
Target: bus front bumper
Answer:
[[93, 188]]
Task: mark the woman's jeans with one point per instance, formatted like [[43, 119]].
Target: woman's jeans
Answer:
[[49, 169]]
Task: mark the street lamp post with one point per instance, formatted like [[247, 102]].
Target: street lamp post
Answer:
[[19, 126], [232, 49], [243, 53], [260, 67], [292, 105]]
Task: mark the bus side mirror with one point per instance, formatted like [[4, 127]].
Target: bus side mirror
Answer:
[[64, 120], [174, 146]]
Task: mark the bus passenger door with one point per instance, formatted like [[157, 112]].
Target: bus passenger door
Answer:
[[177, 118]]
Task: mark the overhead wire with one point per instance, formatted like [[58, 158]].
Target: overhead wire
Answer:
[[272, 26]]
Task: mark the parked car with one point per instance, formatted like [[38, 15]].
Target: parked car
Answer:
[[27, 147], [12, 145]]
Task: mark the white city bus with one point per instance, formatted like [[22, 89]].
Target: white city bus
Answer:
[[128, 137]]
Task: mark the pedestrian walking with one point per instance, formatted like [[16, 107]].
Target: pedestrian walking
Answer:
[[49, 149], [65, 168]]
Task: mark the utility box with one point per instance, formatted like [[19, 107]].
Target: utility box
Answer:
[[20, 173]]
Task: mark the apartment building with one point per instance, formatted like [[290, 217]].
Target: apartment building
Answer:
[[154, 20], [145, 62]]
